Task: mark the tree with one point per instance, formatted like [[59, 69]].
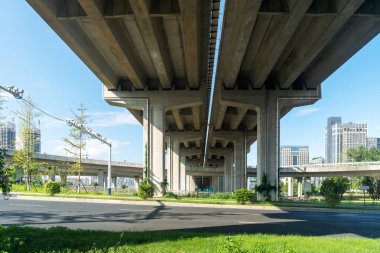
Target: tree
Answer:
[[333, 188], [362, 154], [76, 141], [28, 139], [5, 175]]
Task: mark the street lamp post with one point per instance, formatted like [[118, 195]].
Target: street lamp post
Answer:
[[102, 140]]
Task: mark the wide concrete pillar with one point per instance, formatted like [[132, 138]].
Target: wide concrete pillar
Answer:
[[182, 167], [176, 165], [228, 173], [157, 152], [290, 186], [268, 143], [215, 183], [299, 187], [137, 183], [240, 157], [169, 164], [114, 182], [101, 181], [307, 186]]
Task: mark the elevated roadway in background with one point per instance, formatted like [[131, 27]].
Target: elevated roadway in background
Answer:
[[156, 58], [327, 170], [91, 167]]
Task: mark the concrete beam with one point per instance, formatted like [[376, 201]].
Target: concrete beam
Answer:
[[190, 12], [178, 120], [225, 143], [281, 31], [314, 39], [122, 51], [240, 18], [186, 144], [220, 117], [196, 117], [235, 122], [198, 143], [251, 123], [155, 41], [75, 38], [190, 151]]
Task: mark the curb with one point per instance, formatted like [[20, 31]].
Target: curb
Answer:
[[164, 203]]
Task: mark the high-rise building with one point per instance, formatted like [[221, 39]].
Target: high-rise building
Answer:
[[36, 137], [373, 142], [328, 138], [340, 137], [8, 135], [294, 155]]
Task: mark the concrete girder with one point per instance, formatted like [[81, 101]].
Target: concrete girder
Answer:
[[341, 49], [220, 117], [155, 41], [196, 117], [199, 163], [235, 122], [239, 20], [251, 123], [178, 120], [190, 151], [281, 29], [319, 32], [79, 43], [198, 143], [190, 13], [122, 52], [221, 152], [225, 143], [186, 144], [185, 136]]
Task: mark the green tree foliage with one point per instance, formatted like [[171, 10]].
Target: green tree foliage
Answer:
[[23, 158], [362, 154], [52, 188], [333, 188], [5, 175], [243, 196], [146, 189], [76, 141]]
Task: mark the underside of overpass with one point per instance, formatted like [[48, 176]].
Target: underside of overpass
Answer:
[[156, 58]]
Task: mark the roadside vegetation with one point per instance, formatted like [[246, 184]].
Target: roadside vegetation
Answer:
[[58, 239]]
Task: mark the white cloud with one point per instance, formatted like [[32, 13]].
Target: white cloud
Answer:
[[307, 111], [94, 149], [111, 119]]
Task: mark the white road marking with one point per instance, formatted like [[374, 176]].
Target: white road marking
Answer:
[[27, 205], [249, 222]]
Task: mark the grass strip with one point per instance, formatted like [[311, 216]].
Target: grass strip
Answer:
[[58, 239]]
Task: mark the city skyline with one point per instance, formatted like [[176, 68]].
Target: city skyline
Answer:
[[36, 60]]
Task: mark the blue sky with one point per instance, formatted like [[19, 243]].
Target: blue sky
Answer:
[[35, 59]]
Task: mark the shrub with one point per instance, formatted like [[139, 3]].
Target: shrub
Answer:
[[171, 195], [146, 189], [222, 196], [243, 195], [265, 188], [332, 199], [52, 188], [123, 186], [164, 186]]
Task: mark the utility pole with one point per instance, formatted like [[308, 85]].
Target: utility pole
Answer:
[[102, 140]]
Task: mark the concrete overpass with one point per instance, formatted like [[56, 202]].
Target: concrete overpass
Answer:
[[91, 167], [156, 58]]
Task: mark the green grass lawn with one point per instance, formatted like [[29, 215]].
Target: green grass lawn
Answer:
[[58, 239]]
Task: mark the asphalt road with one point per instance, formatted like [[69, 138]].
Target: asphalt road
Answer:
[[128, 217]]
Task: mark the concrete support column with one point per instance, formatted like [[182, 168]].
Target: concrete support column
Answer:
[[290, 186], [299, 187], [240, 157], [114, 182], [228, 173], [307, 186], [101, 178], [169, 164], [215, 183], [52, 176], [182, 173], [137, 183], [175, 165], [157, 152], [268, 143]]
